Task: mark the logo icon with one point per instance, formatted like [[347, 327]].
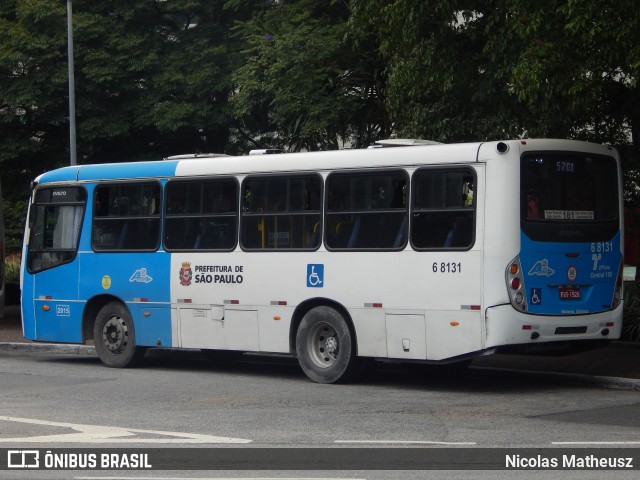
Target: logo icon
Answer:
[[535, 298], [23, 459], [596, 257], [572, 273], [315, 275], [186, 274], [141, 276], [542, 269]]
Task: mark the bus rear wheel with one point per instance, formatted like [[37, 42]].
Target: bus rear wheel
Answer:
[[114, 337], [325, 347]]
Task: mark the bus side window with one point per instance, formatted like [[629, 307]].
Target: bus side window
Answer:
[[281, 212], [366, 211], [201, 215], [126, 217], [443, 209]]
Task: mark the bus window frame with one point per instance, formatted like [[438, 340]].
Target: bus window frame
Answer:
[[33, 209], [200, 180], [365, 172], [145, 182], [465, 169], [282, 176]]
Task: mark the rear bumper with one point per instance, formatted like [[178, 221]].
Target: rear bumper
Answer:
[[507, 326]]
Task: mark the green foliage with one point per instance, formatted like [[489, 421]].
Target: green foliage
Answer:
[[14, 221], [32, 89], [12, 270], [631, 319], [156, 78], [472, 69], [303, 83], [152, 79]]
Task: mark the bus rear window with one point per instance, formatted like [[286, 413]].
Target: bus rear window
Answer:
[[570, 189]]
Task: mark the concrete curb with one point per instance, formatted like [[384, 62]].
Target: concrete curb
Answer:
[[49, 348], [620, 383]]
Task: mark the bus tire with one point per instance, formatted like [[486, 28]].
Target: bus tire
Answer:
[[114, 337], [325, 347]]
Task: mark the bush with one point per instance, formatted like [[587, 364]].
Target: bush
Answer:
[[15, 213], [631, 321], [12, 270]]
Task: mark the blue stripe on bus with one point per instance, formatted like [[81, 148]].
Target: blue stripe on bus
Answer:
[[128, 170], [590, 268], [111, 171], [60, 175]]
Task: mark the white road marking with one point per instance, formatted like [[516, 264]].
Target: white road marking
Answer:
[[596, 443], [402, 442], [213, 478], [107, 434]]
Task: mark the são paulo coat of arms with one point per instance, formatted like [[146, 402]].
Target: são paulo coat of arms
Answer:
[[185, 274]]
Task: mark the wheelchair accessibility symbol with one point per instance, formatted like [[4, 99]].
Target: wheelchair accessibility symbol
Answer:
[[536, 296], [315, 275]]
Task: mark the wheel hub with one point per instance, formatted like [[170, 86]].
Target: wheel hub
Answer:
[[331, 345], [323, 345], [115, 334]]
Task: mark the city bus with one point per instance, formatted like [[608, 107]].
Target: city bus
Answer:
[[432, 253]]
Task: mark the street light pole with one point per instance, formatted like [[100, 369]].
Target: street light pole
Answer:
[[72, 88]]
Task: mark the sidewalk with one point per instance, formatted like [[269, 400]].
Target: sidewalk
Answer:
[[618, 364]]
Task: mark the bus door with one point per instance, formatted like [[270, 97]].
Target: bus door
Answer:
[[54, 229]]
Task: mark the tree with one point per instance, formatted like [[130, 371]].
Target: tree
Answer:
[[154, 77], [304, 85], [441, 83], [487, 69], [33, 86], [152, 80]]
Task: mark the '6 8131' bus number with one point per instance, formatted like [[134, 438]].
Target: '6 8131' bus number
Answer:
[[446, 267]]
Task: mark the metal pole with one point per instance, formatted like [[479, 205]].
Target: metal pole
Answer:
[[72, 88]]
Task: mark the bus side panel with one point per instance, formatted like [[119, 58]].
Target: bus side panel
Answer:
[[27, 308], [57, 312], [141, 280], [502, 221], [152, 324]]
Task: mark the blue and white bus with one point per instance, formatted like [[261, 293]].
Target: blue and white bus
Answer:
[[434, 253]]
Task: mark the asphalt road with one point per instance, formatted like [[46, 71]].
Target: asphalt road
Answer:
[[181, 399]]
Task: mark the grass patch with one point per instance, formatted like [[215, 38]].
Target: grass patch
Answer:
[[12, 268]]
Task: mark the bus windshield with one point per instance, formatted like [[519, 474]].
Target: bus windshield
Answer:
[[567, 189]]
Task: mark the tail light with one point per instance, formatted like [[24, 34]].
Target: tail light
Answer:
[[515, 285]]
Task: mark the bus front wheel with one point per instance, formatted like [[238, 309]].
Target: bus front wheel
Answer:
[[325, 347], [114, 337]]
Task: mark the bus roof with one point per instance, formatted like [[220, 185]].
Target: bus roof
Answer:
[[190, 165]]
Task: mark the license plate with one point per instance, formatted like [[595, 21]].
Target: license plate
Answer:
[[569, 293]]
